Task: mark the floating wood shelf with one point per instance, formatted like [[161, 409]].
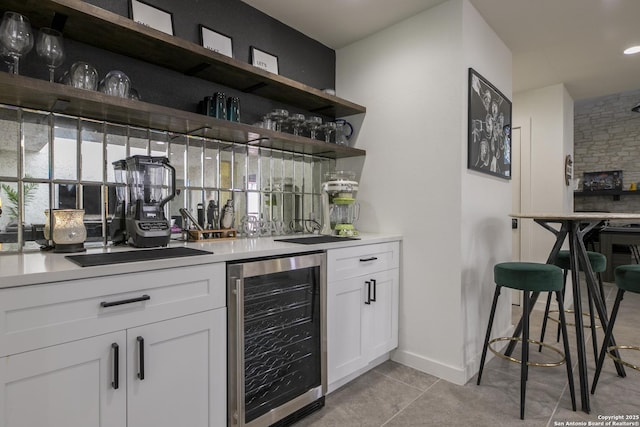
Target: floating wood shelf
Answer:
[[104, 29], [42, 95], [615, 194]]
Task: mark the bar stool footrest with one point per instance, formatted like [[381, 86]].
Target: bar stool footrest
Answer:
[[529, 363], [569, 311], [618, 359]]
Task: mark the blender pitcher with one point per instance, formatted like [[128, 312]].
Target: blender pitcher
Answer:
[[117, 229], [343, 216], [339, 208], [152, 183]]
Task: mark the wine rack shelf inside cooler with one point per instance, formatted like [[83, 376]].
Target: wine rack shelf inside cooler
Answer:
[[280, 338]]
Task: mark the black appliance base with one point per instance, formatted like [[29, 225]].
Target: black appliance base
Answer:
[[69, 248]]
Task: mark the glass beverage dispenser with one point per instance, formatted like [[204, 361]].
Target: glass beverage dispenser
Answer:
[[339, 208], [152, 183]]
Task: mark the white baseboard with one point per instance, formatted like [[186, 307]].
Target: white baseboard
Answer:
[[453, 374]]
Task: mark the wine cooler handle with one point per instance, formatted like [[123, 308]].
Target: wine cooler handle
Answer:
[[239, 414], [368, 301], [140, 358], [374, 290], [116, 366]]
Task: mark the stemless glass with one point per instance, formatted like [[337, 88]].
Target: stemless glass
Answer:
[[15, 37], [49, 46]]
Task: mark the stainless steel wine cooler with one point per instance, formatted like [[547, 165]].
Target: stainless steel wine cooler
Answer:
[[277, 339]]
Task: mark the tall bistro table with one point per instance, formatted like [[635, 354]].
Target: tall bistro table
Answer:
[[575, 226]]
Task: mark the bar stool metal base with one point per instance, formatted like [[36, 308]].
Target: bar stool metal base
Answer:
[[529, 363], [530, 278]]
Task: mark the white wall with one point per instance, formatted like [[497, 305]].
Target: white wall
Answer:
[[486, 202], [546, 117], [412, 77]]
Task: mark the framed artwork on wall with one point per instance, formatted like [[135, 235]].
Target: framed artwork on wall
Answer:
[[151, 16], [264, 60], [216, 41], [489, 127]]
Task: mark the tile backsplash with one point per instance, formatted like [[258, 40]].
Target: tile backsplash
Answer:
[[51, 161]]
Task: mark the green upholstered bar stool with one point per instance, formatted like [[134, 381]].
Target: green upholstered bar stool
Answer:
[[598, 265], [528, 277], [627, 280]]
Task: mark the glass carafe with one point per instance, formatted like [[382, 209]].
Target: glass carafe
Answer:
[[151, 180]]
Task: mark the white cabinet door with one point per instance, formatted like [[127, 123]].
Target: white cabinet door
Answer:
[[381, 316], [66, 385], [358, 332], [184, 365], [345, 313]]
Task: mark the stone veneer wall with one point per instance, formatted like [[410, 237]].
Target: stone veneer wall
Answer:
[[607, 137]]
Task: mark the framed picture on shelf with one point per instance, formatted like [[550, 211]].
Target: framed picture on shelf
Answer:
[[151, 16], [489, 128], [264, 60], [216, 41]]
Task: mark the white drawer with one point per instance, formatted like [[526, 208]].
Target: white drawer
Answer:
[[42, 315], [358, 260]]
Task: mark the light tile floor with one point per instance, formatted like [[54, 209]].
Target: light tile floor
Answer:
[[393, 395]]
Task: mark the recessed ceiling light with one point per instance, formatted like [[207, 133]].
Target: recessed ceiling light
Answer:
[[632, 50]]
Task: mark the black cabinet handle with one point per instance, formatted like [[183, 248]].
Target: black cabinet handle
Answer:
[[374, 290], [373, 258], [368, 301], [116, 365], [125, 301], [140, 358]]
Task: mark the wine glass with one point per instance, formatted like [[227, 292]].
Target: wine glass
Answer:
[[49, 46], [15, 37]]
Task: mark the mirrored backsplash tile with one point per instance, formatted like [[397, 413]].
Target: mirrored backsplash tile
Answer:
[[36, 143], [65, 148], [67, 162], [9, 141], [91, 151]]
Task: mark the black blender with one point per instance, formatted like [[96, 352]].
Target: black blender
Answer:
[[152, 183]]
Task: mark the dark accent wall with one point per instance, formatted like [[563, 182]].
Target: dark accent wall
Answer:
[[299, 57]]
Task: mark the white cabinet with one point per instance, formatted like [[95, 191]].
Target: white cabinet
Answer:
[[362, 308], [184, 365], [64, 385], [136, 350]]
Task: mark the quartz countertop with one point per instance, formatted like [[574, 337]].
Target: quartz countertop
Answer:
[[41, 267]]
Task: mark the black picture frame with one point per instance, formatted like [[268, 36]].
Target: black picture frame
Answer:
[[264, 60], [150, 21], [489, 128], [226, 50]]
